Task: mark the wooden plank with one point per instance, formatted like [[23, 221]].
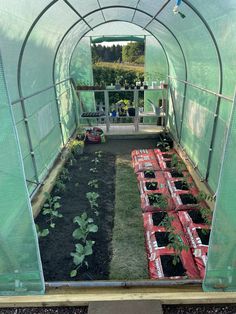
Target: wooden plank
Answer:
[[81, 299], [199, 183]]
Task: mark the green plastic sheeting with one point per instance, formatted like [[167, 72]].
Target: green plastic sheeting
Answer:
[[46, 43], [221, 266], [20, 265], [82, 72], [155, 71]]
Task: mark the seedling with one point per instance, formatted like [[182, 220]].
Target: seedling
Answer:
[[158, 200], [60, 186], [51, 208], [92, 198], [64, 176], [93, 184], [178, 245], [41, 233], [81, 251], [94, 170], [206, 215], [76, 147], [95, 161], [77, 184], [177, 164], [86, 226], [98, 154], [202, 196]]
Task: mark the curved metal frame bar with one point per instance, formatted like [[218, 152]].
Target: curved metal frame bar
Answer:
[[212, 142]]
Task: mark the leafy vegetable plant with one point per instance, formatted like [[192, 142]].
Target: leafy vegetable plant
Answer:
[[86, 226], [93, 183], [94, 170], [158, 200], [81, 251], [41, 233], [98, 154], [51, 207]]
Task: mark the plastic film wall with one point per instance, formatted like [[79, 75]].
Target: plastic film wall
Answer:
[[38, 39], [20, 265]]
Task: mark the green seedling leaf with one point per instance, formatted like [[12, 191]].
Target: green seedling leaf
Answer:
[[73, 273]]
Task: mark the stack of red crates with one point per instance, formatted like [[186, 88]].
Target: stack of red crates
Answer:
[[157, 178]]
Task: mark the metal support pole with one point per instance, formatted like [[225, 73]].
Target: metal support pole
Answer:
[[136, 118], [106, 96], [30, 141], [173, 105]]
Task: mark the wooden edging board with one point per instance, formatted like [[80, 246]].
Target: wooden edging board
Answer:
[[83, 297]]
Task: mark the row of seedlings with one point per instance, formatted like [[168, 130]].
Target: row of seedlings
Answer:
[[174, 246]]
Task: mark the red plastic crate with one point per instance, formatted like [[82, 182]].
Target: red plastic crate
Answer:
[[143, 152], [200, 259], [146, 186], [155, 253], [147, 207], [185, 199], [146, 165], [157, 175]]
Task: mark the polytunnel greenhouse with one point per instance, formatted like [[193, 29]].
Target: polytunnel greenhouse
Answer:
[[49, 117]]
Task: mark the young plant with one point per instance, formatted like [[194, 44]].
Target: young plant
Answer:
[[64, 175], [158, 200], [51, 207], [81, 251], [60, 186], [76, 147], [178, 245], [86, 226], [92, 198], [95, 161], [93, 183], [206, 215], [175, 240], [98, 154], [41, 233], [177, 164], [94, 170]]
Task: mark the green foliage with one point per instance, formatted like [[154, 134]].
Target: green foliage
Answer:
[[86, 226], [206, 215], [174, 238], [132, 51], [81, 251], [177, 163], [93, 184], [106, 53], [76, 147], [98, 154], [202, 196], [64, 175], [95, 161], [41, 233], [51, 207], [60, 186], [93, 170], [159, 201], [92, 198]]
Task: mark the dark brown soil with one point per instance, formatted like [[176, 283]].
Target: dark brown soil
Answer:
[[196, 216], [162, 238], [56, 247], [167, 156], [204, 235], [151, 186], [45, 310], [168, 164], [154, 198], [181, 185], [171, 270], [200, 309], [188, 199], [176, 174], [158, 217], [149, 174]]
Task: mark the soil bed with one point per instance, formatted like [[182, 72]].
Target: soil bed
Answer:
[[151, 186], [162, 238], [176, 174], [158, 217], [56, 247], [170, 268], [204, 235], [188, 199], [196, 216], [181, 185], [149, 174]]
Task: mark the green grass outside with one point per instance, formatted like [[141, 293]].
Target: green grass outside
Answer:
[[123, 66], [129, 259]]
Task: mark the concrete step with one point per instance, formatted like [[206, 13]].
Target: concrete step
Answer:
[[125, 307]]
